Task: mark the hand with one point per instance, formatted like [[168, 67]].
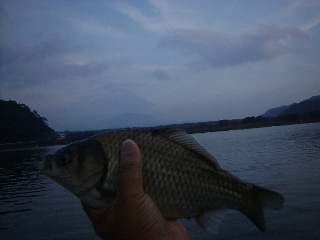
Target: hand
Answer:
[[133, 214]]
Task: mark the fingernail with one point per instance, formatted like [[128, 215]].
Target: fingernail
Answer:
[[128, 147]]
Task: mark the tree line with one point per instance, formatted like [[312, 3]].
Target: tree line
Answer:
[[221, 125], [18, 123]]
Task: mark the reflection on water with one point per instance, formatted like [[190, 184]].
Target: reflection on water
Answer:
[[19, 180], [284, 159], [34, 207]]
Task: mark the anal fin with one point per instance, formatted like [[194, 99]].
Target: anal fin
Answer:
[[211, 220]]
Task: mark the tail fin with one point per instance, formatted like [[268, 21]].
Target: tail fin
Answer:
[[262, 199]]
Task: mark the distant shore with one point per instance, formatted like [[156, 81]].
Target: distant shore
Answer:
[[241, 126], [24, 145], [191, 128]]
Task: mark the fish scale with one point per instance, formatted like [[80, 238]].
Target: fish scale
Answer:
[[179, 174]]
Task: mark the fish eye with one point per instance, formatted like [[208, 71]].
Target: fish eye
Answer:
[[64, 160]]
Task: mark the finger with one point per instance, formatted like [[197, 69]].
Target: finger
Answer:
[[130, 170], [91, 212], [98, 214], [177, 230], [101, 219]]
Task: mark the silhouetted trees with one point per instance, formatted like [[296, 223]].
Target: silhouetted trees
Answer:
[[19, 124], [223, 123]]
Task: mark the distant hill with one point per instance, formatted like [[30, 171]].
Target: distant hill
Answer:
[[134, 120], [309, 105], [275, 112], [19, 124]]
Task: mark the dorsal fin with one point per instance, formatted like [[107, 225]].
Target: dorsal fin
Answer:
[[180, 137]]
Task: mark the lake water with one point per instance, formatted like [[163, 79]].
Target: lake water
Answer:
[[285, 159]]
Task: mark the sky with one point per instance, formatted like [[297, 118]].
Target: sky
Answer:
[[81, 64]]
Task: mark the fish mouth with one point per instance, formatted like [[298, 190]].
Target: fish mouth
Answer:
[[46, 167]]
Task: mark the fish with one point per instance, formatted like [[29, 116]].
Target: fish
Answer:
[[181, 176]]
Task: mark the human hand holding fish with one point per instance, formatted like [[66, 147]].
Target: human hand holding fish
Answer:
[[133, 214], [179, 179]]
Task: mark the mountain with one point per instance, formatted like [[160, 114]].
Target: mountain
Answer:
[[19, 124], [134, 120], [309, 105], [275, 112]]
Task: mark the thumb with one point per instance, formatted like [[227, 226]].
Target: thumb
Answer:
[[130, 181]]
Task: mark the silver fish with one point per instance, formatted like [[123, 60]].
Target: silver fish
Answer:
[[181, 176]]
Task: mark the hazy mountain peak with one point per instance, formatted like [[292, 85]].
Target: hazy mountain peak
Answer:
[[307, 105], [130, 119]]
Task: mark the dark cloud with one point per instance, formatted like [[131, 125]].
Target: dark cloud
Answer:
[[43, 62], [160, 75], [222, 50], [3, 14]]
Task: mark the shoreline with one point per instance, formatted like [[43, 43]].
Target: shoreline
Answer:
[[245, 126], [26, 145], [190, 128]]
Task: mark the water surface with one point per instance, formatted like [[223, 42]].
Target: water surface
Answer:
[[285, 159]]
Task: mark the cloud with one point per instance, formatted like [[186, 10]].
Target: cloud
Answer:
[[218, 49], [3, 14], [160, 15], [160, 75], [136, 15], [46, 61], [313, 23], [92, 27]]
